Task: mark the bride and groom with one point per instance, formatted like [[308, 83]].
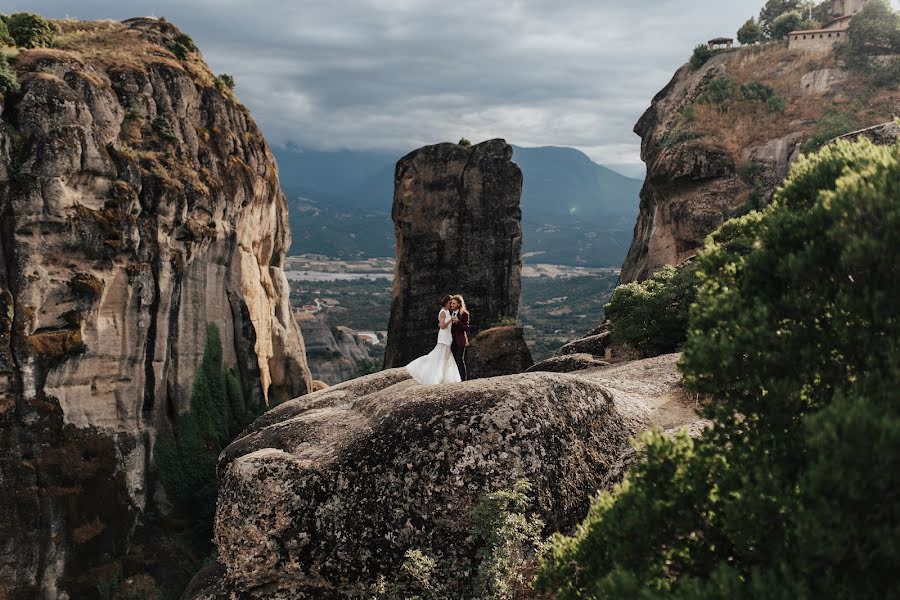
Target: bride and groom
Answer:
[[447, 362]]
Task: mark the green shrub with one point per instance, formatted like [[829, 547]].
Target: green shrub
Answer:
[[689, 113], [163, 128], [9, 82], [182, 46], [701, 54], [776, 104], [795, 339], [720, 92], [5, 38], [509, 540], [187, 457], [873, 36], [832, 125], [30, 30], [224, 82], [774, 9], [651, 316], [750, 32], [756, 91], [786, 23], [502, 321], [464, 142]]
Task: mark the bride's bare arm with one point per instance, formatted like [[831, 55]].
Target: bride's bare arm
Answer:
[[442, 323]]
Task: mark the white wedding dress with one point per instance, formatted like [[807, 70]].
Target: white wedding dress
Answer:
[[438, 366]]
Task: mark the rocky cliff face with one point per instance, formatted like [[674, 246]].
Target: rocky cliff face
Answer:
[[457, 221], [720, 139], [333, 354], [139, 202]]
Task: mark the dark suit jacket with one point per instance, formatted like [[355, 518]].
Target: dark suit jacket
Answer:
[[459, 329]]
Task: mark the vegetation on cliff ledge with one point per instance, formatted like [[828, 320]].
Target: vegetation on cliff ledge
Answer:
[[187, 457], [793, 340]]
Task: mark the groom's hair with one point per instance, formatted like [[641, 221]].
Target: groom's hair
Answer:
[[462, 303], [445, 300]]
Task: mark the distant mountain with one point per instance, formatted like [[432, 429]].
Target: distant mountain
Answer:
[[574, 211]]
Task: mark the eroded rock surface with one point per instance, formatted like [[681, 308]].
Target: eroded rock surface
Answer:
[[325, 493], [708, 162], [457, 221], [138, 202]]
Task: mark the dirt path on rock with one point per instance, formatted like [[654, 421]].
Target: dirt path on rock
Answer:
[[654, 381]]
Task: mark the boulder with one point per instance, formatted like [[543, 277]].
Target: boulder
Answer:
[[457, 221], [498, 351], [568, 363], [325, 493], [593, 344]]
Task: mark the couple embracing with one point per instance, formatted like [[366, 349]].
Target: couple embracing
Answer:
[[447, 362]]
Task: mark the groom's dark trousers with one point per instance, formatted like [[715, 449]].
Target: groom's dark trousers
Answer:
[[460, 343]]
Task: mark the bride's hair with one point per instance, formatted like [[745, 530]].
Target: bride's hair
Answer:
[[445, 300], [462, 303]]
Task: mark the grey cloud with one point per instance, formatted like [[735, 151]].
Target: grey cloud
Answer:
[[398, 74]]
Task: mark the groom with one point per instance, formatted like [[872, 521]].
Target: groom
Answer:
[[458, 330]]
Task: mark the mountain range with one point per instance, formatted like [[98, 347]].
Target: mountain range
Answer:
[[574, 211]]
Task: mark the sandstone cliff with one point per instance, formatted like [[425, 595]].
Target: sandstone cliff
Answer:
[[457, 221], [333, 354], [139, 202], [719, 140]]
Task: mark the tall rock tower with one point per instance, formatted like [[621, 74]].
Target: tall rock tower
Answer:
[[457, 220], [138, 203]]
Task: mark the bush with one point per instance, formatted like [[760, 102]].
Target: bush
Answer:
[[772, 10], [720, 92], [795, 338], [701, 54], [651, 316], [832, 125], [182, 46], [750, 32], [464, 142], [163, 128], [30, 30], [786, 23], [5, 38], [224, 82], [679, 136], [9, 83]]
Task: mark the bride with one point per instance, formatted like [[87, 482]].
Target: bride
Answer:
[[438, 366]]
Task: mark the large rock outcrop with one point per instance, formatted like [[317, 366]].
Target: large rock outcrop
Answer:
[[719, 140], [498, 351], [138, 202], [457, 221], [325, 494]]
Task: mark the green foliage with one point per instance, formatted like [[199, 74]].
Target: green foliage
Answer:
[[30, 30], [750, 32], [751, 173], [187, 458], [510, 539], [5, 38], [701, 54], [9, 82], [873, 36], [720, 92], [795, 338], [224, 82], [689, 113], [786, 23], [679, 136], [832, 125], [464, 142], [651, 316], [367, 366], [163, 128], [772, 10], [182, 46]]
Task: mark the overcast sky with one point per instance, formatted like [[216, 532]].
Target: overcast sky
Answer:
[[395, 75]]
